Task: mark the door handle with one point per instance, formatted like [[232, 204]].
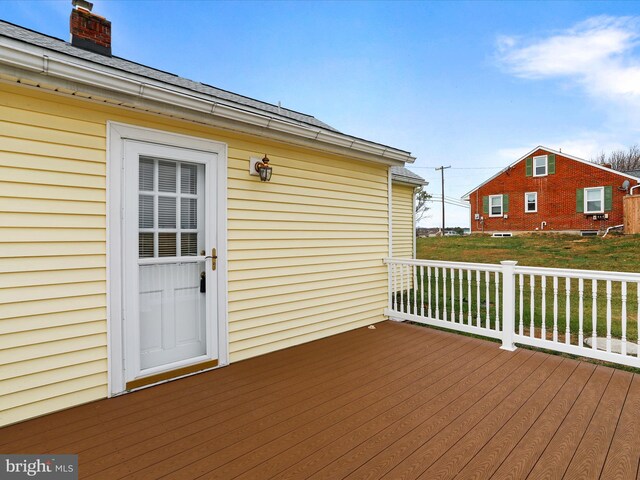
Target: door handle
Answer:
[[214, 258]]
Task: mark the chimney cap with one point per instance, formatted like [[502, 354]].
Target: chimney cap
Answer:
[[84, 4]]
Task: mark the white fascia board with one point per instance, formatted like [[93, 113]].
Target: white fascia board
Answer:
[[57, 65]]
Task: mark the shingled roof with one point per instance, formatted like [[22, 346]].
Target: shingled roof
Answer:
[[55, 44], [404, 175]]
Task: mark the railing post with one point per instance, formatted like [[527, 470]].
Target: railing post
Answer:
[[508, 304]]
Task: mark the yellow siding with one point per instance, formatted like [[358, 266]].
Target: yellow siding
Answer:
[[402, 220], [305, 249]]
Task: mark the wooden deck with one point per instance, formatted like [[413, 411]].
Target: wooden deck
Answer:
[[399, 401]]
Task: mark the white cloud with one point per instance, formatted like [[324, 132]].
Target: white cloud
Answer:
[[598, 54]]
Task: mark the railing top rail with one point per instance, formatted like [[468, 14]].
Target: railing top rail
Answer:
[[584, 274], [485, 267]]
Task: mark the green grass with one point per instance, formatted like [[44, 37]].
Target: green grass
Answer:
[[616, 253]]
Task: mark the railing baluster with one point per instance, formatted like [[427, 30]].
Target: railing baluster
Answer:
[[444, 294], [623, 314], [436, 274], [402, 285], [580, 312], [567, 320], [555, 308], [460, 297], [429, 288], [394, 302], [532, 306], [479, 299], [497, 279], [487, 300], [469, 302], [543, 320], [521, 285], [608, 315], [453, 295], [422, 290], [594, 314], [414, 279]]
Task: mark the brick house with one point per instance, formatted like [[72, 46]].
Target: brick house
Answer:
[[549, 191]]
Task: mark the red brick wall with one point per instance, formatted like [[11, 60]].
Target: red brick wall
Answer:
[[556, 198]]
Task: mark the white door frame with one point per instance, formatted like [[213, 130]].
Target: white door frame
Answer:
[[117, 134]]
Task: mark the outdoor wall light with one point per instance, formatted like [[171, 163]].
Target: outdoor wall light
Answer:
[[260, 168]]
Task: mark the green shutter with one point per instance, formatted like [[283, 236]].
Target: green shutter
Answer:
[[485, 205], [608, 199], [505, 203], [551, 163], [529, 169], [580, 200]]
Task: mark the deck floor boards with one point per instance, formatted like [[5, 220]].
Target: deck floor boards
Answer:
[[398, 402]]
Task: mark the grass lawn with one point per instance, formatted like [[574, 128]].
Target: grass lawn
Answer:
[[615, 253]]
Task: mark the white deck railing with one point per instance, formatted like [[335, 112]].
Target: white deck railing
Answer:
[[582, 312]]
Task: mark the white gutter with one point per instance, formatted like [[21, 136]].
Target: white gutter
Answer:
[[55, 65]]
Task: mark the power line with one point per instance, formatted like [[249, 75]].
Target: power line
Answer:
[[459, 168]]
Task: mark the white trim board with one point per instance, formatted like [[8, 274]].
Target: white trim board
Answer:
[[117, 133], [549, 150]]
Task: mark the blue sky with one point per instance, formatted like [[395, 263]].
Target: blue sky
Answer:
[[474, 85]]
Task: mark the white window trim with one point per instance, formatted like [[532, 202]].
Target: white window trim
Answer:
[[501, 197], [591, 212], [526, 203], [546, 166]]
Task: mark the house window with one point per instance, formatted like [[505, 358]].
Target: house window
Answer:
[[531, 202], [540, 166], [495, 205], [594, 200]]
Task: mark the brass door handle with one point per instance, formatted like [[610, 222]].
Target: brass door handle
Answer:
[[214, 258]]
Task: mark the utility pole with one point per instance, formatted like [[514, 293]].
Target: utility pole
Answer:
[[442, 169]]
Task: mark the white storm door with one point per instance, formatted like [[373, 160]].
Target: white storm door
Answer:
[[169, 287]]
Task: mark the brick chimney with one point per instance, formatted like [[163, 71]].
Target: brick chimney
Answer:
[[88, 30]]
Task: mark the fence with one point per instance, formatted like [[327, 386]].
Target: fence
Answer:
[[582, 312]]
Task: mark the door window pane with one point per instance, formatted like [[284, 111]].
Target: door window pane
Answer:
[[189, 244], [166, 212], [167, 177], [189, 213], [167, 245], [189, 179], [145, 174], [145, 211], [145, 245]]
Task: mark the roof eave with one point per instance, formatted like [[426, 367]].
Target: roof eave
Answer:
[[35, 62], [408, 181]]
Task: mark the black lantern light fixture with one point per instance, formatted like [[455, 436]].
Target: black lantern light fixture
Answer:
[[264, 169]]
